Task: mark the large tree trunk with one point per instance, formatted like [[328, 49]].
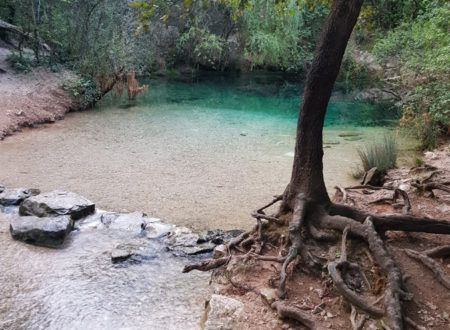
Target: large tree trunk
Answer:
[[307, 172]]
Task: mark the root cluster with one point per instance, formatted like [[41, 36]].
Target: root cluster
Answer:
[[309, 221]]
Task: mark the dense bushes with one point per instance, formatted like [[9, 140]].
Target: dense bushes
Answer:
[[420, 53]]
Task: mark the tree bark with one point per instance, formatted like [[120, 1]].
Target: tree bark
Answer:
[[307, 172]]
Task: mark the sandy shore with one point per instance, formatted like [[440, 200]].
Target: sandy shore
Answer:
[[30, 99]]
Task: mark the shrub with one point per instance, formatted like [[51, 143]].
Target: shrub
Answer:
[[202, 47], [84, 91], [20, 63], [382, 155], [422, 51]]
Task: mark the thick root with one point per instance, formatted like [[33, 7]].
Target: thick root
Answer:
[[295, 228], [206, 265], [438, 252], [432, 265], [294, 313], [310, 220]]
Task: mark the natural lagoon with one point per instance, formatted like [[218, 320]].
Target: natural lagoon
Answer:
[[203, 153]]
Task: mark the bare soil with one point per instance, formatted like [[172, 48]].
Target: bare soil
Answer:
[[27, 100], [313, 293]]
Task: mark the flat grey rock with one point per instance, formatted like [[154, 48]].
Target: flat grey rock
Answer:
[[57, 203], [9, 196], [183, 241], [133, 252], [47, 231]]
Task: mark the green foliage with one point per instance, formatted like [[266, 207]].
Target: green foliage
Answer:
[[83, 90], [353, 75], [21, 63], [422, 51], [280, 34], [382, 155], [202, 47]]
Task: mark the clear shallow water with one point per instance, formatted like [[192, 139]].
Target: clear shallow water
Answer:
[[77, 287], [202, 155]]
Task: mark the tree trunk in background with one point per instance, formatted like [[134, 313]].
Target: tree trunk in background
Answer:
[[307, 172]]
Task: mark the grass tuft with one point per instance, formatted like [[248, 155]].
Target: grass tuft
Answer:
[[382, 155]]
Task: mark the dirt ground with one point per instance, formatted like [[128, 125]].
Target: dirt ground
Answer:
[[429, 307], [30, 99]]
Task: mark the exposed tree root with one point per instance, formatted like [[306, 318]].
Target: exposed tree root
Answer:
[[438, 252], [310, 220], [357, 321], [431, 186], [406, 202], [335, 269], [294, 313], [295, 227], [432, 265], [413, 324], [206, 265]]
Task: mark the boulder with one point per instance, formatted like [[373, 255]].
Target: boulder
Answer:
[[223, 313], [57, 203], [46, 231], [9, 197]]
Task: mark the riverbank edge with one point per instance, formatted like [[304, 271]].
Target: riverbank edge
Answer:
[[33, 98]]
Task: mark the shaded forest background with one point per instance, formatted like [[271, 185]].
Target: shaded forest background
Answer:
[[399, 51]]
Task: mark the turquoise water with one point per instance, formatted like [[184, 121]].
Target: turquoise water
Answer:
[[265, 95], [201, 154]]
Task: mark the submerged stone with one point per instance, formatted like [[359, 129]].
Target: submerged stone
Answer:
[[57, 203], [9, 197], [183, 241], [47, 231], [134, 221], [133, 252]]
